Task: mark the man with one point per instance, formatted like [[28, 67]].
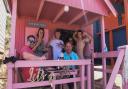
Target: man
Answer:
[[69, 54], [57, 45], [27, 54]]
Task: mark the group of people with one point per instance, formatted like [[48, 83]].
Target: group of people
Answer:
[[36, 49]]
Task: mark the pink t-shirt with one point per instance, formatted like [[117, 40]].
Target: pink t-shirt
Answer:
[[25, 49], [26, 71]]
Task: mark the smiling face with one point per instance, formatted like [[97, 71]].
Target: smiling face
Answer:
[[68, 47], [40, 33], [31, 41], [57, 35], [79, 34]]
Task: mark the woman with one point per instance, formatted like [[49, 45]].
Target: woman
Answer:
[[40, 48]]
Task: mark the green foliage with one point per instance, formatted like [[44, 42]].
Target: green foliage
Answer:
[[7, 33]]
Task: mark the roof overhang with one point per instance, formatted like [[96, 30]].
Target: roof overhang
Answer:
[[110, 6], [53, 10]]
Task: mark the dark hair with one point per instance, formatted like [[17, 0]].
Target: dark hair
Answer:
[[80, 31], [56, 31], [30, 37], [39, 31], [68, 42]]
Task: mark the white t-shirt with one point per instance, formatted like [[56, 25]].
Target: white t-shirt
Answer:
[[57, 47]]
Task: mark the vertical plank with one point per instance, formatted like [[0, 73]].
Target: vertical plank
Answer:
[[111, 46], [10, 77], [126, 17], [89, 77], [13, 27], [103, 49], [82, 77], [75, 85]]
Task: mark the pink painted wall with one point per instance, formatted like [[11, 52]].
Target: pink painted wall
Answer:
[[33, 31], [110, 22], [22, 24]]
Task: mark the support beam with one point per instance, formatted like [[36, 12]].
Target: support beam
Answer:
[[103, 50], [110, 6], [13, 27], [61, 12], [40, 9], [126, 17], [111, 46], [91, 21], [77, 17]]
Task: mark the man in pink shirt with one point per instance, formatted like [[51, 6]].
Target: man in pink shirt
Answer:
[[28, 54]]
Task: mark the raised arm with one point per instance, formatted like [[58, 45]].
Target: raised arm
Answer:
[[88, 36], [74, 36]]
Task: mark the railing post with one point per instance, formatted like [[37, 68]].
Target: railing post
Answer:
[[103, 50], [115, 69], [82, 77], [125, 68], [104, 71], [10, 76], [89, 76]]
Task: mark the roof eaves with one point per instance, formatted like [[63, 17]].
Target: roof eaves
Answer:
[[111, 7]]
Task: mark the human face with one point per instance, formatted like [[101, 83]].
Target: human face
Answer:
[[79, 34], [40, 33], [31, 42], [68, 48], [57, 35]]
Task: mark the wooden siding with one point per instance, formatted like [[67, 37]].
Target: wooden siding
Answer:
[[2, 25]]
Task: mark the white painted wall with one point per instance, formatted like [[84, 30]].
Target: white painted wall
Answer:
[[3, 15]]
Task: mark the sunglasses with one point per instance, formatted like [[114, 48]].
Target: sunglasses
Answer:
[[31, 41]]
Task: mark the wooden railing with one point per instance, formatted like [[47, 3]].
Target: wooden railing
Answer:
[[19, 64], [116, 69]]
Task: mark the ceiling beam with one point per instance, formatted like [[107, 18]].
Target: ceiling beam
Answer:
[[60, 13], [91, 21], [40, 9], [77, 17]]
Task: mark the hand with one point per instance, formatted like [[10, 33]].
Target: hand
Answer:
[[85, 34], [43, 57], [75, 33]]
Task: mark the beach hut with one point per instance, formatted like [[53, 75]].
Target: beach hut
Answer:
[[62, 14]]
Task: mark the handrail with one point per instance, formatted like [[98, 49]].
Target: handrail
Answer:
[[106, 54], [120, 54], [44, 63], [115, 70], [51, 63]]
